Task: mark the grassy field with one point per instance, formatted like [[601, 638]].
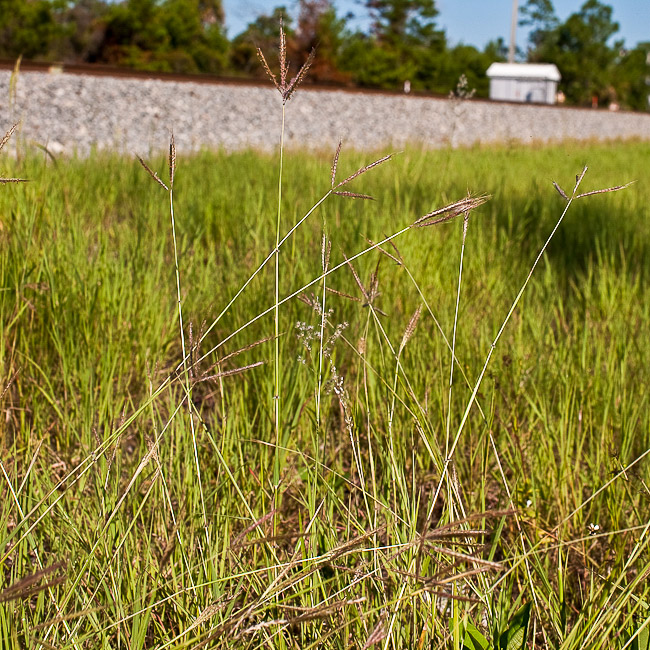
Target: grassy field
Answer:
[[370, 505]]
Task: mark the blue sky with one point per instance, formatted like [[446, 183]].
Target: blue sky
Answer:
[[473, 22]]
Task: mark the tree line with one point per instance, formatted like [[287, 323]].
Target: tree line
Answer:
[[402, 43]]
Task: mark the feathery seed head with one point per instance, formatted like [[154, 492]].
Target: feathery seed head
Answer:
[[448, 212], [152, 173], [336, 161], [285, 89], [3, 142], [410, 328], [172, 160]]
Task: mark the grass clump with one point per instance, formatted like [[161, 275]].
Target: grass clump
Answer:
[[156, 495]]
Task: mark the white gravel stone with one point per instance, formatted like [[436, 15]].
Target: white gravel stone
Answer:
[[72, 114]]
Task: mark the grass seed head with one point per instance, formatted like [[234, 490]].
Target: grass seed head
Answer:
[[298, 79], [363, 170], [606, 190], [284, 66], [560, 191], [326, 249], [172, 160], [4, 181], [152, 173], [285, 89], [3, 142], [336, 161], [410, 328], [267, 68], [451, 211], [7, 136], [355, 195]]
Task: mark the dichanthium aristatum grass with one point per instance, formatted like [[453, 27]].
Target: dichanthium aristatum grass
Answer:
[[318, 343], [400, 547]]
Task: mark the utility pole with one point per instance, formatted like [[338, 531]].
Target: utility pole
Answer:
[[513, 32]]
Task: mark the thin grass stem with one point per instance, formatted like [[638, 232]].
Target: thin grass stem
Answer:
[[502, 328]]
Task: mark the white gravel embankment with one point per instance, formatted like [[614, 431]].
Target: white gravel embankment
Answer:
[[71, 113]]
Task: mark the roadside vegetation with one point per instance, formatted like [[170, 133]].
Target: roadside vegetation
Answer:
[[330, 517], [245, 405]]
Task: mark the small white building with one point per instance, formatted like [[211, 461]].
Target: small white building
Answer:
[[524, 82]]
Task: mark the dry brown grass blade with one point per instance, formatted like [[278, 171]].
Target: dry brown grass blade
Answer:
[[434, 581], [67, 617], [172, 160], [319, 611], [345, 547], [377, 635], [4, 181], [605, 190], [8, 135], [451, 211], [455, 525], [152, 173], [42, 642], [457, 577], [11, 381], [246, 348], [454, 528], [249, 529], [456, 534], [465, 557], [275, 539], [450, 596], [335, 162], [45, 150], [234, 371], [170, 546], [363, 170]]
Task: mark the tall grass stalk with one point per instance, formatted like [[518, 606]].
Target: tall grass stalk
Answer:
[[505, 322], [450, 491], [276, 324], [186, 377], [179, 302]]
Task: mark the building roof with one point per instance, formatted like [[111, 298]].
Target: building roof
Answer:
[[546, 71]]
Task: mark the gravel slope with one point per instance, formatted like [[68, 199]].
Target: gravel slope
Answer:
[[71, 113]]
